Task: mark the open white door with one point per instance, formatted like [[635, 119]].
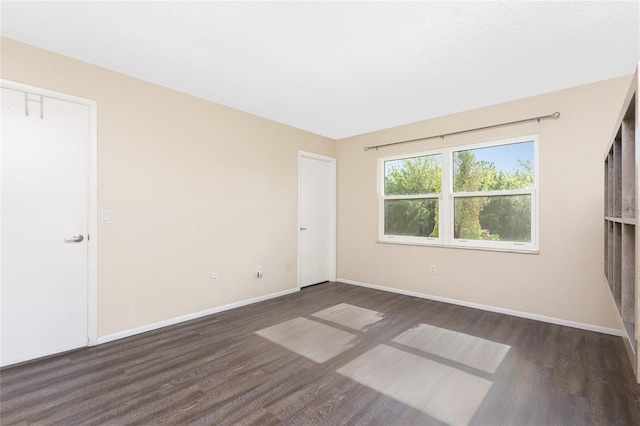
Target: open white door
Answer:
[[45, 170], [317, 219]]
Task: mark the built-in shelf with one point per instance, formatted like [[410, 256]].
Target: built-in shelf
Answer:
[[621, 235], [625, 220]]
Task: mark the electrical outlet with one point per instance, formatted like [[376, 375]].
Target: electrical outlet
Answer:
[[259, 272], [214, 278], [432, 269]]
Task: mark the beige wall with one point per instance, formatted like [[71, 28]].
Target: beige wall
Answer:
[[565, 280], [193, 187]]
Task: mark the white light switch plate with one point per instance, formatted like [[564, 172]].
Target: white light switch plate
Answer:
[[105, 216]]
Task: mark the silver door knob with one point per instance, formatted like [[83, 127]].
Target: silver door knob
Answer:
[[75, 239], [303, 229]]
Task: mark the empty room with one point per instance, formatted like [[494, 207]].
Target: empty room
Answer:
[[386, 213]]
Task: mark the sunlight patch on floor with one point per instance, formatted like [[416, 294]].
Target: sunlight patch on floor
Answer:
[[469, 350], [311, 339], [350, 316], [442, 392]]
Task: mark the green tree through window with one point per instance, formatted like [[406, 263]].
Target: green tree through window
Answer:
[[418, 176], [491, 194]]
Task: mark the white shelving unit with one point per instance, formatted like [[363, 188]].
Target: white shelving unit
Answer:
[[622, 210]]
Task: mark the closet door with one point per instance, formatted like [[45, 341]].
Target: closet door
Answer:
[[44, 225]]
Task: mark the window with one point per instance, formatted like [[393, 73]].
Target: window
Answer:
[[412, 188], [480, 196]]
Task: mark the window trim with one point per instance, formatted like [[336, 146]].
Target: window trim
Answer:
[[446, 200]]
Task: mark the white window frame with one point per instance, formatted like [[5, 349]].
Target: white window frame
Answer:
[[406, 239], [447, 199]]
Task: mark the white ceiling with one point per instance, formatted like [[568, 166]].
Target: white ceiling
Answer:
[[342, 68]]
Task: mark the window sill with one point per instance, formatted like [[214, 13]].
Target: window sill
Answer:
[[498, 249]]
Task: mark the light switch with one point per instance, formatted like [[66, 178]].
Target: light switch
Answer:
[[106, 216]]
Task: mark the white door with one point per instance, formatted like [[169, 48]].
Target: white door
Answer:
[[45, 195], [317, 184]]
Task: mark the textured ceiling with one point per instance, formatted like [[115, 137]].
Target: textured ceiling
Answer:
[[342, 68]]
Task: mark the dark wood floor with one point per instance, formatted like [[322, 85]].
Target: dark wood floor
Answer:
[[216, 370]]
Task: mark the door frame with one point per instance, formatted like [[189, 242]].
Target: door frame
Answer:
[[332, 211], [92, 208]]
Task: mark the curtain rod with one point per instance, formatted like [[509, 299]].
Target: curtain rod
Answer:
[[555, 116]]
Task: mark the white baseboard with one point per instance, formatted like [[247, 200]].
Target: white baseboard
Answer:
[[183, 318], [543, 318]]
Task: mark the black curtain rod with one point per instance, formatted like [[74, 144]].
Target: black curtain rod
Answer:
[[555, 116]]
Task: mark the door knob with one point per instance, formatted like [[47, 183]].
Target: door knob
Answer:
[[75, 239], [303, 228]]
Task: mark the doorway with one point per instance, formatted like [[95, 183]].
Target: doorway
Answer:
[[316, 218], [48, 228]]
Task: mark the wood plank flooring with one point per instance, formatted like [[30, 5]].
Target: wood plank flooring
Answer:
[[221, 370]]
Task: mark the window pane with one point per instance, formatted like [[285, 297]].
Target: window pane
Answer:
[[411, 176], [417, 218], [499, 218], [494, 168]]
